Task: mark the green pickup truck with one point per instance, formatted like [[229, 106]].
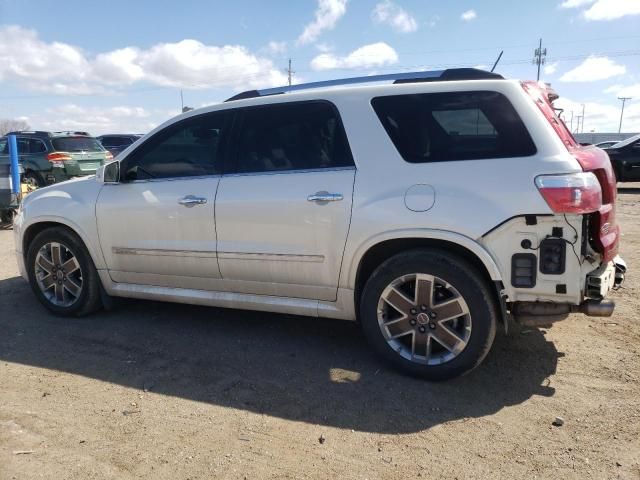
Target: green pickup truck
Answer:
[[50, 157]]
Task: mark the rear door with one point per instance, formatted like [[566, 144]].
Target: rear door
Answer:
[[283, 213]]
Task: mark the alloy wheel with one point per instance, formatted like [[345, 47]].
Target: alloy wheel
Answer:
[[58, 274], [424, 319]]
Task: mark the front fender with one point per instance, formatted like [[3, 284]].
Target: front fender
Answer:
[[71, 204], [350, 267]]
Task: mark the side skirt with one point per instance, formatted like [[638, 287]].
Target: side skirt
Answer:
[[342, 309]]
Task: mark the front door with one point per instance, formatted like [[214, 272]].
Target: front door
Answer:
[[282, 216], [157, 227]]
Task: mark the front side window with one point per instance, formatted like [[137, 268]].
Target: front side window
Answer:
[[189, 148], [435, 127], [4, 146], [294, 136]]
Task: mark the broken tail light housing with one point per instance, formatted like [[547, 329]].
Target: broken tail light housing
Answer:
[[573, 193]]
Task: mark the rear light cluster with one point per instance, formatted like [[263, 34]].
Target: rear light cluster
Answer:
[[575, 193], [591, 192], [58, 157]]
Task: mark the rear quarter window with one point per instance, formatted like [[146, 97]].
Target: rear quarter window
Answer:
[[436, 127]]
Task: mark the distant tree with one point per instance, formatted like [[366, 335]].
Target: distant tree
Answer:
[[10, 125]]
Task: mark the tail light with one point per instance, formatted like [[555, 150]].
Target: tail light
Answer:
[[604, 231], [576, 193], [108, 156], [59, 157]]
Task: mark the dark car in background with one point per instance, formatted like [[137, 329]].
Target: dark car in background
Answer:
[[625, 158], [606, 144], [51, 157], [116, 143]]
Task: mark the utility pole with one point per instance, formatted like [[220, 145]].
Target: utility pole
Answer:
[[539, 57], [582, 129], [181, 101], [571, 127], [290, 72], [577, 130], [624, 99]]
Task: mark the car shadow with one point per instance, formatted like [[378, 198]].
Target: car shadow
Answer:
[[318, 371]]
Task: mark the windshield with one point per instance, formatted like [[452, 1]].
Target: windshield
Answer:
[[626, 142], [76, 144]]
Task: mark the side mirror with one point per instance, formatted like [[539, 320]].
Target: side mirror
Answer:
[[109, 173]]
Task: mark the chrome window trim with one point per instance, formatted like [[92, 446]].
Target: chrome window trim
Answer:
[[284, 172], [173, 179]]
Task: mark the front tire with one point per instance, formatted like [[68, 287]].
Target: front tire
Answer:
[[429, 313], [62, 274]]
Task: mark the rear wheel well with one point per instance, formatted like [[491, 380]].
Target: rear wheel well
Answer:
[[382, 251]]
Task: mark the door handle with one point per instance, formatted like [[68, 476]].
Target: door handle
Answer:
[[191, 201], [325, 197]]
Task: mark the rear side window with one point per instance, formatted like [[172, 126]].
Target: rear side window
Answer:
[[436, 127], [294, 136], [36, 146], [76, 144]]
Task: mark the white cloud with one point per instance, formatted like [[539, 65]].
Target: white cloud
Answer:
[[395, 16], [326, 16], [575, 3], [625, 91], [276, 48], [468, 15], [592, 69], [604, 9], [324, 47], [601, 117], [367, 56], [550, 68], [612, 9], [64, 69], [98, 120]]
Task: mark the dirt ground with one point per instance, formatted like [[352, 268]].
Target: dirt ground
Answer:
[[165, 391]]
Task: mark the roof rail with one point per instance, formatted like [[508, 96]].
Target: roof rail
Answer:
[[404, 77], [36, 133], [73, 132]]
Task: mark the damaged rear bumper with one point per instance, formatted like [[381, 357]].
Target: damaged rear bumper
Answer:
[[599, 283]]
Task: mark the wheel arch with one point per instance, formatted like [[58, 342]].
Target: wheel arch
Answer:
[[41, 224], [376, 251]]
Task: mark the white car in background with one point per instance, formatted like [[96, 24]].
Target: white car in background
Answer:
[[430, 210]]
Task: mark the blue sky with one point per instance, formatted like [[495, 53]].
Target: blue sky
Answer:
[[120, 65]]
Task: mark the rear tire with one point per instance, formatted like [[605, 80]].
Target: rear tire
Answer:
[[443, 319], [33, 179], [62, 274], [6, 216]]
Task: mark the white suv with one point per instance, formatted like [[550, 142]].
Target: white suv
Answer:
[[429, 209]]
